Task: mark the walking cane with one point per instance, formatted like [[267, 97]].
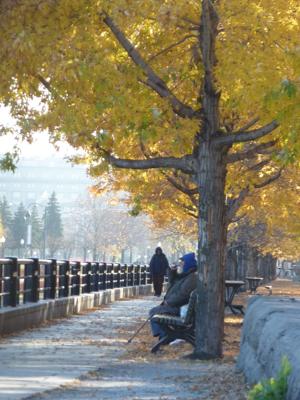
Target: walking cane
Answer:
[[140, 328]]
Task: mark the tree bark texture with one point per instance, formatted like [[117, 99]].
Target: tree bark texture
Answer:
[[212, 242]]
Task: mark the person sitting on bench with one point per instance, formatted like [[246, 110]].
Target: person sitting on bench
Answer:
[[182, 281]]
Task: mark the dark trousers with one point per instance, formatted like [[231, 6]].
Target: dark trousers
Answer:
[[158, 281], [157, 329]]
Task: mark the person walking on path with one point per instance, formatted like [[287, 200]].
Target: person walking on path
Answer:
[[159, 266], [182, 281]]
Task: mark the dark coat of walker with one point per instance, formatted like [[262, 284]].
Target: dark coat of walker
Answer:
[[159, 266], [178, 293]]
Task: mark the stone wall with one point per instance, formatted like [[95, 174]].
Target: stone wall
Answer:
[[271, 330]]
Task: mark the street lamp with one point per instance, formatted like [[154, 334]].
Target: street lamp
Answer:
[[148, 253], [29, 232], [45, 234], [2, 241], [30, 220]]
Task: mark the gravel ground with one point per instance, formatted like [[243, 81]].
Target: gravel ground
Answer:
[[87, 356]]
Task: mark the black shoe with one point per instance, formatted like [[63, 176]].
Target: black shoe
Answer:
[[166, 341]]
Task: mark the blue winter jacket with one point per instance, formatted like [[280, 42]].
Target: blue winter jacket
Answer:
[[190, 261]]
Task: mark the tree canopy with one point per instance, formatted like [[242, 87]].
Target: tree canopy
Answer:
[[95, 97], [75, 61]]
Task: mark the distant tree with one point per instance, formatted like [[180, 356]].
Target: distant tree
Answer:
[[53, 229], [19, 227], [6, 221], [36, 229], [101, 229]]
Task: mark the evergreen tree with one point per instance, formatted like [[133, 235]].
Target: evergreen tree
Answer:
[[53, 229], [6, 221], [19, 227], [36, 229]]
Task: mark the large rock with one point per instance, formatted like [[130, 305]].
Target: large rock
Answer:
[[271, 330]]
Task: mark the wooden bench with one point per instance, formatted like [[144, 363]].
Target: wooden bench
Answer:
[[177, 327]]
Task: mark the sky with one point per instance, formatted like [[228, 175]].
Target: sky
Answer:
[[39, 148]]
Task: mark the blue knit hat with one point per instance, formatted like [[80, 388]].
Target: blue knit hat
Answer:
[[190, 261]]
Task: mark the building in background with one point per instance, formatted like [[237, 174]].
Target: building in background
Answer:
[[35, 179]]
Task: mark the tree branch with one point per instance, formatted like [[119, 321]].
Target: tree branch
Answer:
[[249, 124], [190, 210], [237, 219], [184, 163], [165, 50], [269, 180], [234, 205], [182, 188], [258, 166], [246, 136], [251, 152], [153, 80], [45, 83]]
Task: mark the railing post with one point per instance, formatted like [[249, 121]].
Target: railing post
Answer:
[[14, 283], [119, 275], [1, 289], [88, 277], [35, 280], [125, 275], [131, 274], [137, 275], [104, 276], [79, 278], [53, 279], [143, 275], [97, 281], [112, 276], [66, 279], [148, 275]]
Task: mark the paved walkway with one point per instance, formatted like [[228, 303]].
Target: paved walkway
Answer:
[[81, 358]]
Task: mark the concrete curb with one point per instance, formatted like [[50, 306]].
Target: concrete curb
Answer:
[[14, 319]]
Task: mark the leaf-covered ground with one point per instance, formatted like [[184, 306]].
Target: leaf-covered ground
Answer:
[[88, 356], [220, 378]]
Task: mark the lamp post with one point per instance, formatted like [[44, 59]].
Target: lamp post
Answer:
[[148, 254], [44, 234], [29, 232], [2, 241], [35, 240]]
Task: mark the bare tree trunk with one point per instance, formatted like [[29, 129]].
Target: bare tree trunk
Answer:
[[231, 264], [123, 256], [251, 259], [212, 244]]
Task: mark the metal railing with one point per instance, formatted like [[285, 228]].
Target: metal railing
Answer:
[[31, 280]]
